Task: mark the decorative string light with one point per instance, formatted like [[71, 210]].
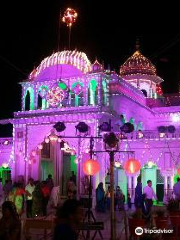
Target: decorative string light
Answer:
[[69, 17], [137, 63]]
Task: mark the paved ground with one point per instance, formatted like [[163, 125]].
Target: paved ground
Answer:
[[100, 217]]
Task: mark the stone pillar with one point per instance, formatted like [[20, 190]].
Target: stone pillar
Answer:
[[165, 185], [171, 184], [133, 188], [86, 92], [36, 97], [129, 190], [56, 157], [100, 95]]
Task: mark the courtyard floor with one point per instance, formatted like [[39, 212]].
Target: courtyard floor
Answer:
[[38, 234]]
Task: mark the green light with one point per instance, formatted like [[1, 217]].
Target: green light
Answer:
[[62, 85]]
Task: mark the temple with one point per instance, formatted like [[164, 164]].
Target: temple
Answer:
[[65, 94]]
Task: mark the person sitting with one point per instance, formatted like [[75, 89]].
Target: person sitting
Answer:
[[69, 217], [10, 225]]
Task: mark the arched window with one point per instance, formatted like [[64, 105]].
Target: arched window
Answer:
[[104, 85], [39, 102], [77, 94], [27, 101], [93, 93], [64, 87], [42, 103]]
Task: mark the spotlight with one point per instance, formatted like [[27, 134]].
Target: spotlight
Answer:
[[111, 140], [171, 129], [127, 128], [82, 127], [105, 127], [59, 126], [162, 129]]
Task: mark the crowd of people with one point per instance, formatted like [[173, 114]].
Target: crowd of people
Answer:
[[33, 197], [103, 198]]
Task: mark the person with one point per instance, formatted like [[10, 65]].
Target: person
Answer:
[[85, 183], [71, 189], [1, 192], [138, 194], [129, 201], [149, 194], [119, 199], [10, 225], [176, 189], [29, 190], [45, 196], [50, 182], [73, 177], [7, 189], [69, 217], [19, 193], [108, 197], [37, 201], [100, 198]]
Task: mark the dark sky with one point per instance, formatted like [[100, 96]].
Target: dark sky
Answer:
[[29, 33]]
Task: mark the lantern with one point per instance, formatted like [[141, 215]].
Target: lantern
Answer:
[[178, 171], [91, 167], [132, 166]]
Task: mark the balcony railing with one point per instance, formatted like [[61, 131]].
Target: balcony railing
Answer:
[[151, 135]]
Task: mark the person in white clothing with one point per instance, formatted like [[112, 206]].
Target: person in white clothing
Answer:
[[29, 190], [149, 196]]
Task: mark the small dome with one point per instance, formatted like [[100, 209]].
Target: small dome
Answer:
[[137, 64], [96, 66]]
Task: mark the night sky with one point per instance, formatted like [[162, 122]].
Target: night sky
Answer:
[[29, 33]]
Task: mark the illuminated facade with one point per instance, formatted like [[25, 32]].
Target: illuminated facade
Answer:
[[67, 88]]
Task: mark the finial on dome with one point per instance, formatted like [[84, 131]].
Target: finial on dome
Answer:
[[137, 44]]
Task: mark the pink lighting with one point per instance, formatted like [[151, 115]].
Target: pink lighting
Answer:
[[76, 161], [176, 118], [46, 140], [6, 142], [117, 164], [5, 165], [33, 153], [40, 146]]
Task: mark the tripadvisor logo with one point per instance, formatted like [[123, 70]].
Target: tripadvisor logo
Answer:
[[139, 231]]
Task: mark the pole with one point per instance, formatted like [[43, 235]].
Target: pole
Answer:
[[113, 219], [69, 37], [90, 188]]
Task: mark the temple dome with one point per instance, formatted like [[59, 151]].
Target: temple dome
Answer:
[[137, 64], [71, 63]]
